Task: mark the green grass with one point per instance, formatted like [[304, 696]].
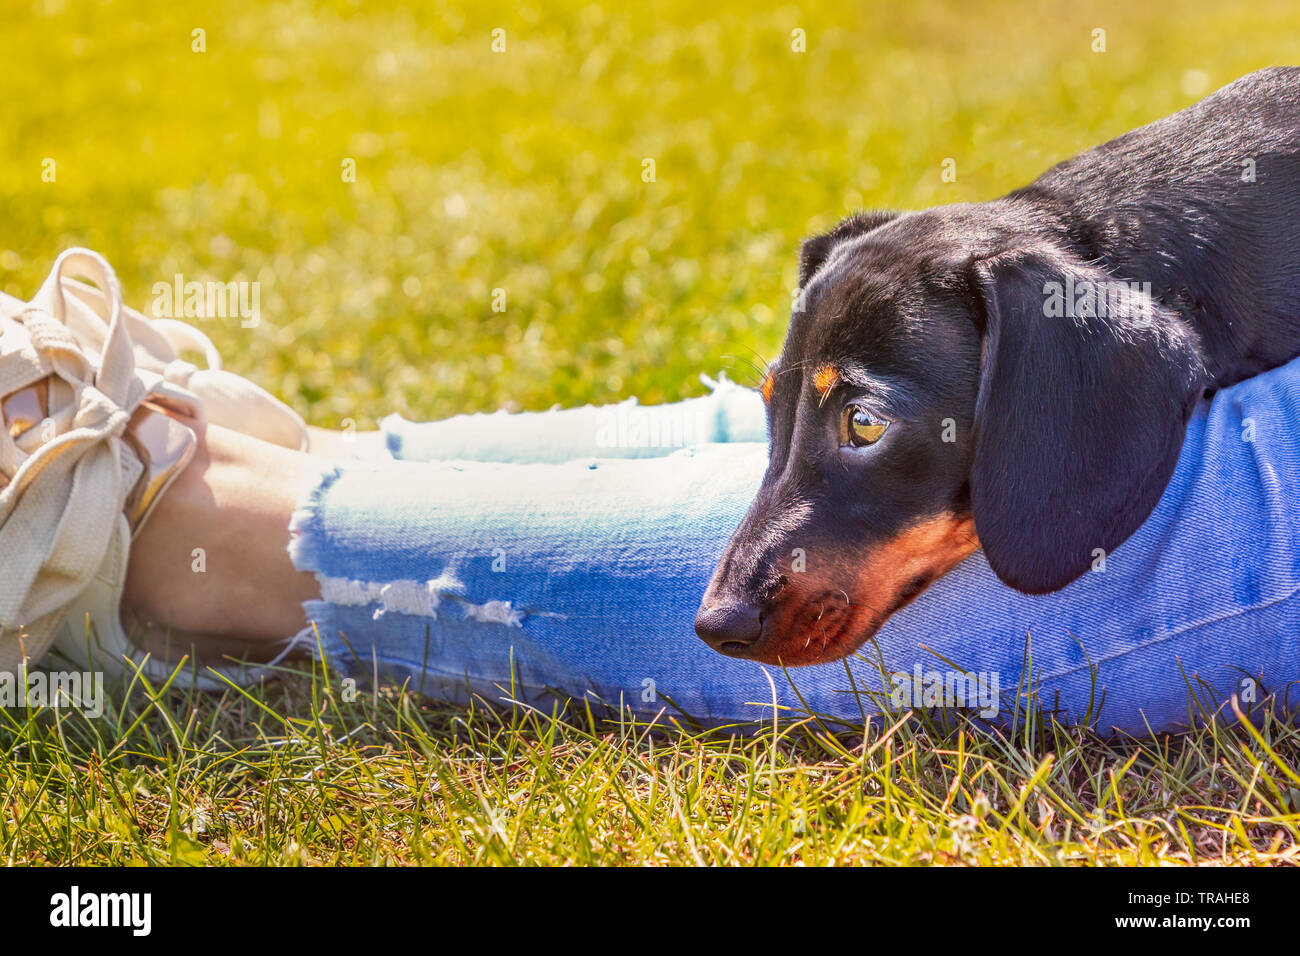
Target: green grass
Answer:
[[522, 171], [287, 773]]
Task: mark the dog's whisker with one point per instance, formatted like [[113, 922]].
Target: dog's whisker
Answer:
[[757, 366], [797, 366]]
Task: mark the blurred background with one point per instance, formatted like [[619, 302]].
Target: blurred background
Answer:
[[524, 169]]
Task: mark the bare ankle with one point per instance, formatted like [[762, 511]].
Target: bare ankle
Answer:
[[212, 560]]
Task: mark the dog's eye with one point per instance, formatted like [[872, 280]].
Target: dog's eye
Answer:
[[861, 427]]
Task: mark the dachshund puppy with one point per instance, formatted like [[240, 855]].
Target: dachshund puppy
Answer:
[[1014, 375]]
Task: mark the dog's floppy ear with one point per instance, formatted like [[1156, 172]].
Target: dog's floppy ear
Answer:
[[1086, 388], [814, 251]]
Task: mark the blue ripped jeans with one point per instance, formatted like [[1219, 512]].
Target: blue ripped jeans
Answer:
[[566, 552]]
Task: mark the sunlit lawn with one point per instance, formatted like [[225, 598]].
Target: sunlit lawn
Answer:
[[524, 171]]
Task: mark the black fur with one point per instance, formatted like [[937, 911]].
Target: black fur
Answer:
[[1078, 425], [1067, 427]]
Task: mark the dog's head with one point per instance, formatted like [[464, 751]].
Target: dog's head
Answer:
[[948, 382]]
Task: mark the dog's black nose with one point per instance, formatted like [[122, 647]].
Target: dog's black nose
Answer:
[[729, 628]]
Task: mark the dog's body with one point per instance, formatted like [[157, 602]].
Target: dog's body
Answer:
[[1015, 374]]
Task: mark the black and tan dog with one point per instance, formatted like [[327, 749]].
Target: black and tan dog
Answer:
[[1014, 375]]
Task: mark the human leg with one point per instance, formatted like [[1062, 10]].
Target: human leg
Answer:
[[582, 577]]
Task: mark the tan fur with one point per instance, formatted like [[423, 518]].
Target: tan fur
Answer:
[[843, 605], [824, 379]]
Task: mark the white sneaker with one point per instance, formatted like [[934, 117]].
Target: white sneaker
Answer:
[[88, 394]]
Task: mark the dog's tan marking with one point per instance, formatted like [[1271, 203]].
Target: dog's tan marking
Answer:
[[813, 630], [766, 388], [933, 546], [824, 379]]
